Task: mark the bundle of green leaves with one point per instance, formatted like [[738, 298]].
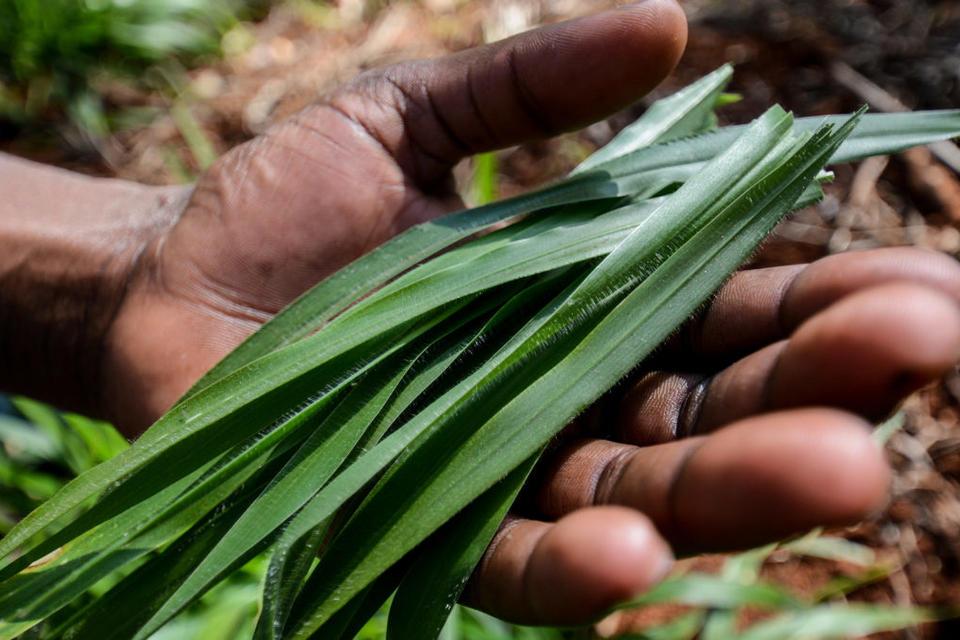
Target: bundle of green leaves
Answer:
[[371, 437]]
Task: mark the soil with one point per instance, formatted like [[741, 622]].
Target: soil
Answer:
[[785, 51]]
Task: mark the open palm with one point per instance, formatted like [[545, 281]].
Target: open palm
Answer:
[[277, 214]]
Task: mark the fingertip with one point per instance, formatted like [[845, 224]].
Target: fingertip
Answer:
[[858, 477], [869, 350], [663, 24], [783, 473], [590, 561], [654, 41], [847, 475], [930, 322], [590, 67], [828, 280]]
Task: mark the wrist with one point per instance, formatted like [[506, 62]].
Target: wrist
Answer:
[[69, 246]]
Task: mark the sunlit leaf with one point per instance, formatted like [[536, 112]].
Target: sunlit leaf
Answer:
[[403, 399]]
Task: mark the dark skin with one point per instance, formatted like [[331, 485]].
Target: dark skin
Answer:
[[115, 298]]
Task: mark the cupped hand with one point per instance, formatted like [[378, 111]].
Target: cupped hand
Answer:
[[717, 446]]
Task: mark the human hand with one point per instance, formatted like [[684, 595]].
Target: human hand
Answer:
[[750, 426], [281, 212], [272, 217]]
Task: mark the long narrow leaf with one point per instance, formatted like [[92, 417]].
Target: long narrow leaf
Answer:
[[431, 588], [291, 556], [657, 228], [573, 383], [684, 113], [317, 461], [827, 622], [212, 421]]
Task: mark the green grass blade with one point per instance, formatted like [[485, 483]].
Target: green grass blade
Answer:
[[564, 244], [720, 624], [684, 113], [132, 534], [842, 585], [211, 422], [284, 578], [336, 293], [560, 399], [876, 134], [291, 549], [832, 548], [887, 133], [829, 621], [527, 232], [362, 410], [350, 620], [705, 590], [163, 516], [485, 173], [432, 586], [352, 480], [684, 627], [743, 568], [316, 461], [125, 607]]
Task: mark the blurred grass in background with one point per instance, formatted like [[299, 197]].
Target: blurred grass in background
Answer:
[[42, 449], [55, 53]]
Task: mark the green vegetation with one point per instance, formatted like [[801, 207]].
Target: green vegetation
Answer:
[[53, 52], [405, 398], [42, 448]]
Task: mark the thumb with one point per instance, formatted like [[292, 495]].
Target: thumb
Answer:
[[429, 114]]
